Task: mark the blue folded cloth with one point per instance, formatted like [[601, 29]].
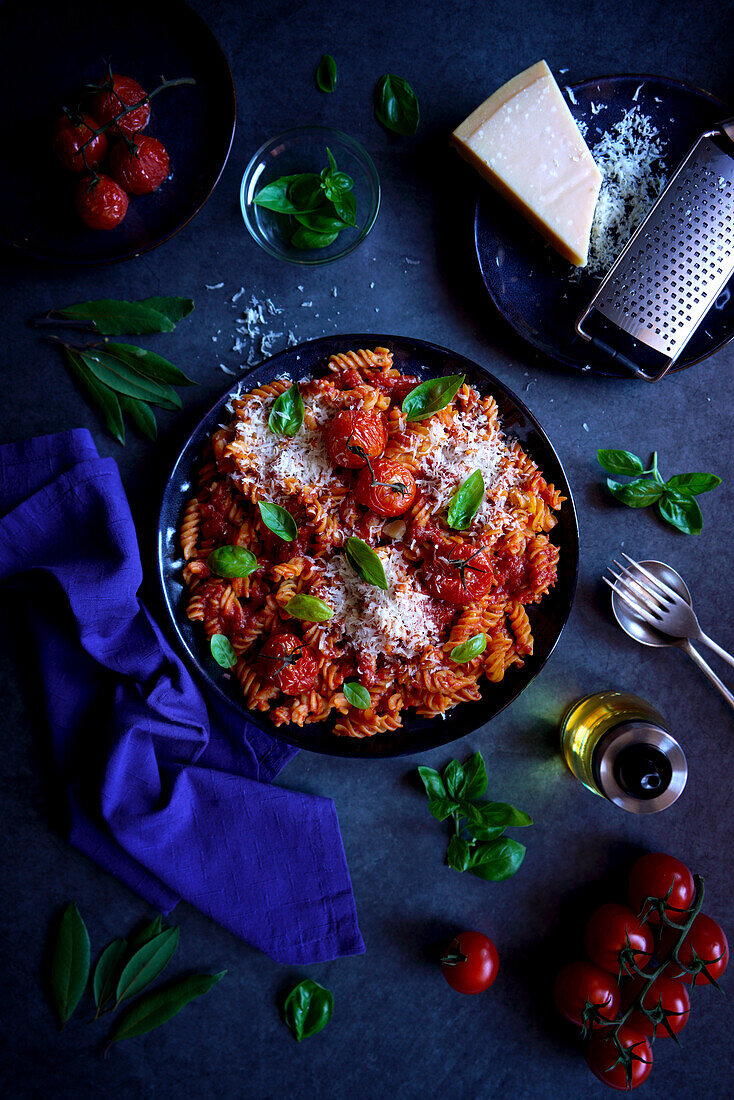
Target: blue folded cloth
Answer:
[[168, 790]]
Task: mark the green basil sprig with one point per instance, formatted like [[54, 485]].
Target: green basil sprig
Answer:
[[675, 498], [232, 561], [356, 694], [286, 415], [430, 397], [315, 208], [308, 1009], [366, 563], [466, 501], [396, 105], [278, 520], [310, 609], [468, 650], [477, 844], [223, 651], [69, 963], [326, 73]]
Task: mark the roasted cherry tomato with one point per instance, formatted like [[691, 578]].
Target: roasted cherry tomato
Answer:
[[68, 138], [460, 574], [613, 929], [287, 662], [142, 169], [108, 103], [604, 1058], [387, 488], [101, 202], [582, 983], [357, 429], [471, 963], [705, 941], [657, 876], [668, 996]]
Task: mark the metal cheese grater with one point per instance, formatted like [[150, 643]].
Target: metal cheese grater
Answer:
[[674, 267]]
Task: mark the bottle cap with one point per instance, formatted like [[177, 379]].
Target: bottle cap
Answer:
[[640, 767]]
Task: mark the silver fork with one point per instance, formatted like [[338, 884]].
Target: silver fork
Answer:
[[661, 607]]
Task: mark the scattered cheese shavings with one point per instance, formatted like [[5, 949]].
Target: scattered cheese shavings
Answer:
[[226, 369], [638, 89], [236, 297], [409, 261], [213, 286], [571, 96], [585, 426]]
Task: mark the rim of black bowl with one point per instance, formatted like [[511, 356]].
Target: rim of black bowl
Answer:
[[558, 356], [418, 734]]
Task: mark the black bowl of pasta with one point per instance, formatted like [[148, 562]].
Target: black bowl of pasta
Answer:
[[406, 554]]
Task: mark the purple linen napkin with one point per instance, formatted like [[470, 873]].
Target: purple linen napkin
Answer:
[[169, 792]]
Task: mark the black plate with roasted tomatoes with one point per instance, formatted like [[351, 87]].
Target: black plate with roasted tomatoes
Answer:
[[41, 74], [417, 734]]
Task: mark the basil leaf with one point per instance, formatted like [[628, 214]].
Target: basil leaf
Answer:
[[694, 483], [286, 415], [345, 204], [636, 494], [321, 221], [475, 777], [278, 520], [113, 372], [148, 364], [223, 651], [490, 816], [465, 502], [275, 196], [112, 317], [458, 853], [681, 511], [326, 73], [366, 563], [332, 164], [140, 414], [97, 394], [309, 608], [309, 238], [396, 104], [146, 964], [432, 781], [356, 694], [496, 860], [161, 1005], [69, 963], [441, 808], [453, 777], [430, 397], [468, 650], [232, 561], [308, 1009], [620, 462], [107, 970], [305, 192]]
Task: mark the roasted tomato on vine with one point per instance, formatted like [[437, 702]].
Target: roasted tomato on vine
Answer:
[[586, 995], [122, 92], [657, 875], [471, 963], [706, 944], [101, 202], [617, 1069], [288, 663], [354, 435], [667, 998], [386, 487], [141, 169], [70, 135], [615, 939], [460, 574]]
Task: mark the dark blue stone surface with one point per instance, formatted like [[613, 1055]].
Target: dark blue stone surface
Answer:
[[397, 1028]]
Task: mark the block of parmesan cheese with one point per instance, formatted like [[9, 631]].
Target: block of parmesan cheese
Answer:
[[524, 141]]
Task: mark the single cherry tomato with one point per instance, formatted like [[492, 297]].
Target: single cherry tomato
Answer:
[[606, 1062], [471, 963], [141, 170], [287, 662], [357, 429], [583, 993], [69, 136], [613, 929], [706, 941], [101, 202], [108, 103], [659, 876], [391, 490], [668, 996], [460, 574]]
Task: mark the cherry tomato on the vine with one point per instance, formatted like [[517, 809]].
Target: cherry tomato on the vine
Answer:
[[390, 492], [668, 995], [582, 983], [101, 202], [460, 574], [653, 876], [707, 940], [108, 103], [611, 929], [141, 170], [471, 963], [287, 662], [357, 428], [68, 137], [605, 1061]]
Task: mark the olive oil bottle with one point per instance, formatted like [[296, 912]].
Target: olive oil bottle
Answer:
[[618, 746]]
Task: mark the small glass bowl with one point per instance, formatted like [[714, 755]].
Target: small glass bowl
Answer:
[[303, 149]]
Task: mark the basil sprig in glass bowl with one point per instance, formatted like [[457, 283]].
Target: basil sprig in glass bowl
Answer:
[[310, 195]]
